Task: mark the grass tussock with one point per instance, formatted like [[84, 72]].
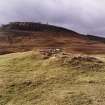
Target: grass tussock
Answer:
[[28, 79]]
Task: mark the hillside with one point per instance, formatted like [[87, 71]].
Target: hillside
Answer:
[[30, 79], [42, 64], [25, 36]]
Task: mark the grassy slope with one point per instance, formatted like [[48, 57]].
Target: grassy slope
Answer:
[[21, 41], [27, 79]]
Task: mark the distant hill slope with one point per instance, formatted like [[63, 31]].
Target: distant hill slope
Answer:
[[25, 36], [30, 26]]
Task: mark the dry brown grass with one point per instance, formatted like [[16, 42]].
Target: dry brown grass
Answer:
[[20, 41], [28, 79]]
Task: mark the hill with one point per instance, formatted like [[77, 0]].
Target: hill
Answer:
[[30, 79], [30, 26], [50, 65], [25, 36]]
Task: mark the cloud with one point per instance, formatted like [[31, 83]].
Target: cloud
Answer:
[[85, 16]]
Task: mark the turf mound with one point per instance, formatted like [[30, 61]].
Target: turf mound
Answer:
[[86, 63], [28, 79]]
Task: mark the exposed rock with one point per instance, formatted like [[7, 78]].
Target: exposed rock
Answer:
[[48, 52]]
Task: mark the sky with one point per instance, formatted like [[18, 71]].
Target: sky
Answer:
[[84, 16]]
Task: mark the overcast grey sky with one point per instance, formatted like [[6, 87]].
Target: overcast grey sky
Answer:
[[85, 16]]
